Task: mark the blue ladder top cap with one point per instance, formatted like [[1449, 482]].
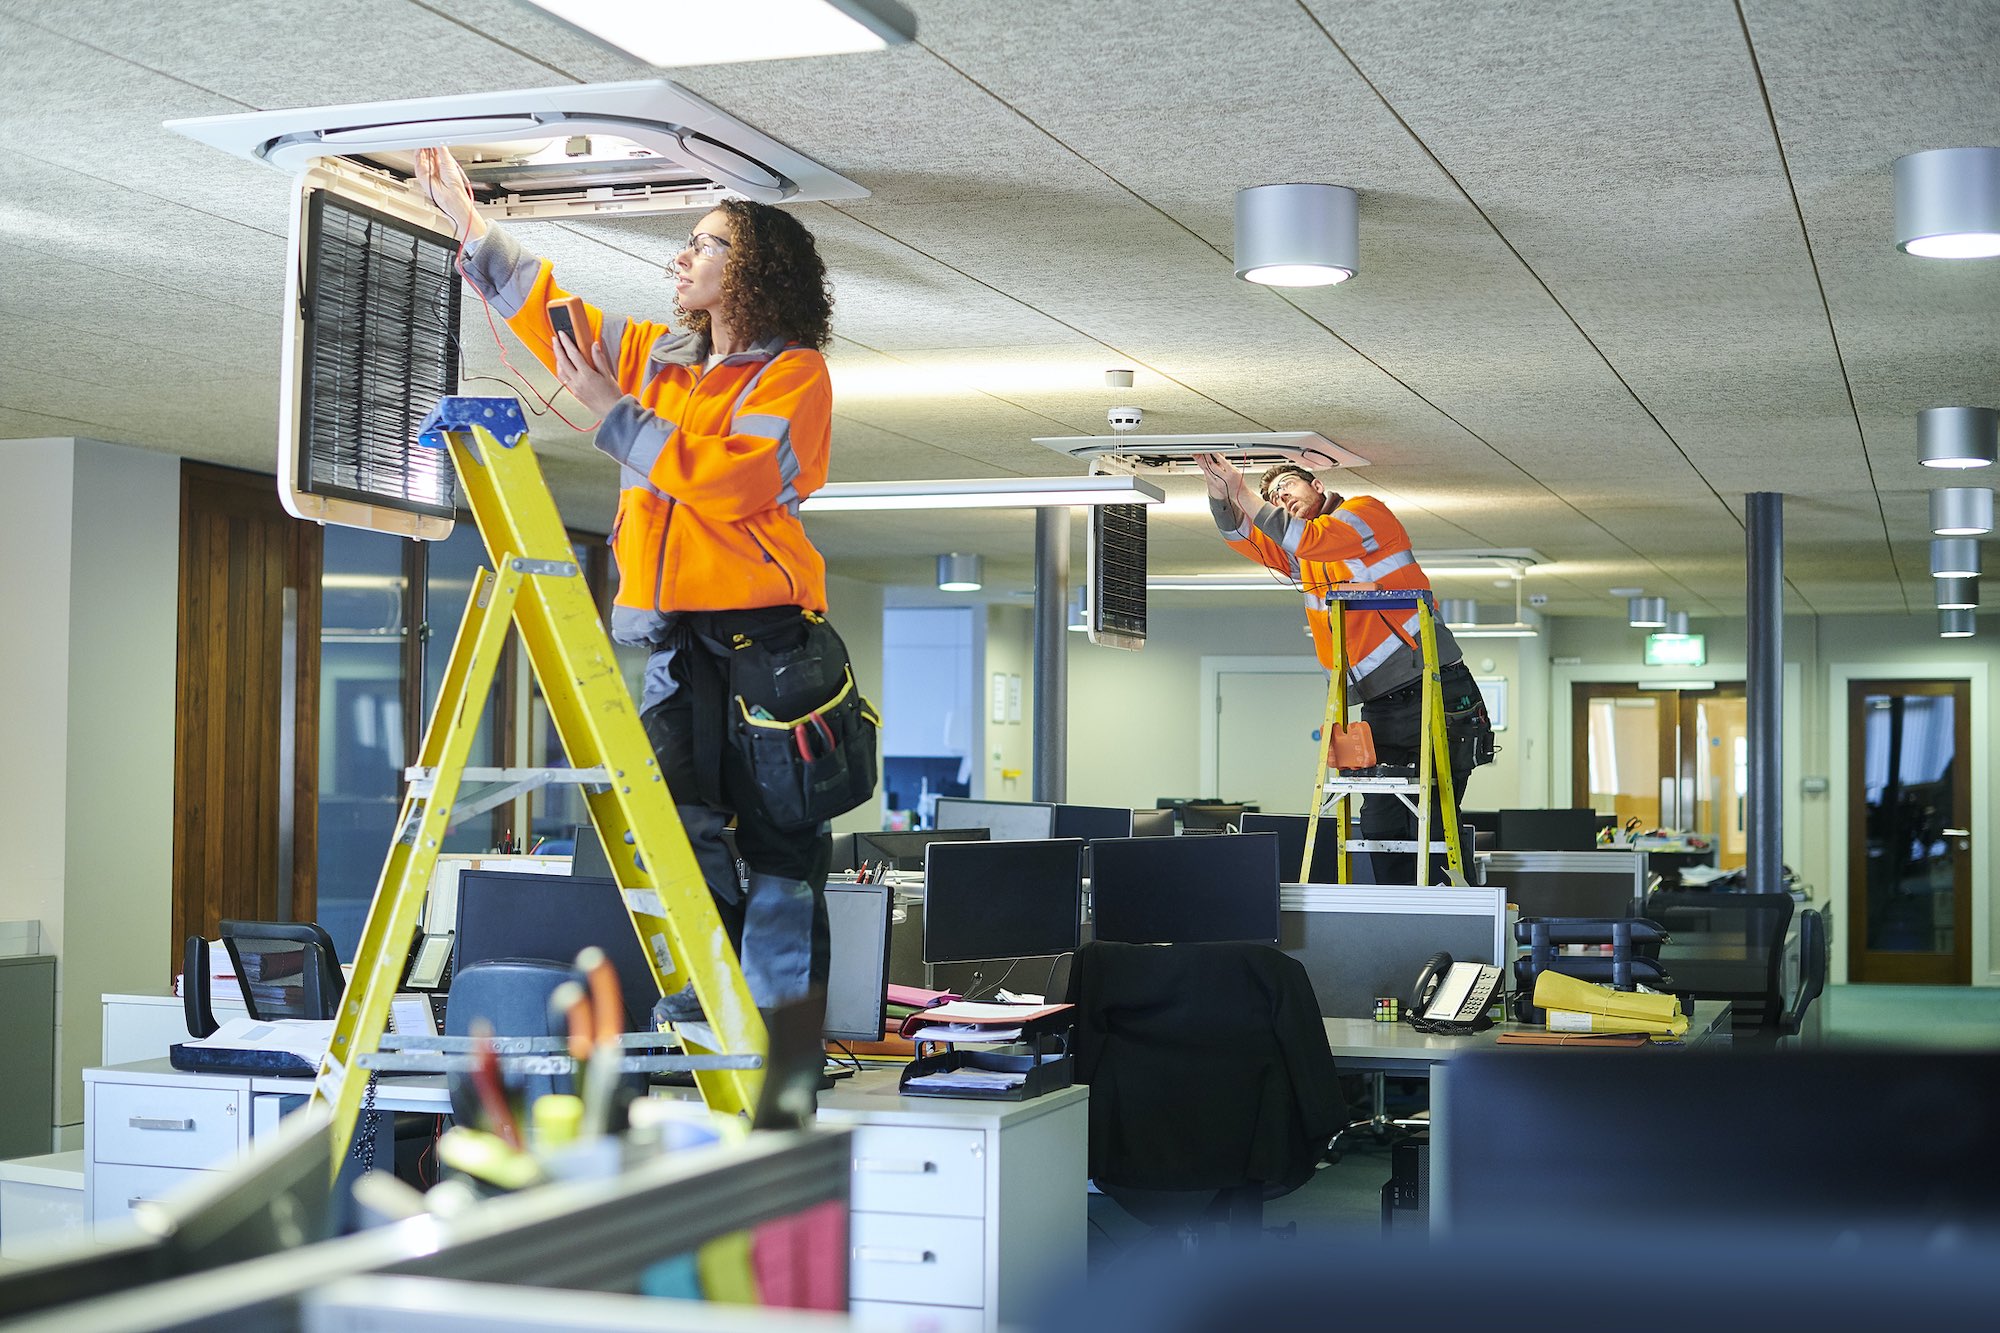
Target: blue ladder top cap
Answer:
[[1380, 599], [501, 416]]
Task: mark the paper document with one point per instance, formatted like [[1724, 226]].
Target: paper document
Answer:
[[976, 1080], [306, 1038], [965, 1011], [966, 1035]]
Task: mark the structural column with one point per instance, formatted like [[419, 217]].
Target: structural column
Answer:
[[1051, 652], [1764, 816]]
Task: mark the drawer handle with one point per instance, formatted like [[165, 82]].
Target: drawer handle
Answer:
[[150, 1122], [882, 1254], [887, 1166]]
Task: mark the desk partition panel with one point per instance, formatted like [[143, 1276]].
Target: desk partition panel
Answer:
[[1362, 941]]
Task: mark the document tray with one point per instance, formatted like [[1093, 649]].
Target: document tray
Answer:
[[1043, 1073]]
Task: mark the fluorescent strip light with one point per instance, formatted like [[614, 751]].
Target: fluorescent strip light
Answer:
[[1471, 571], [721, 32], [981, 493], [1495, 632], [1219, 583]]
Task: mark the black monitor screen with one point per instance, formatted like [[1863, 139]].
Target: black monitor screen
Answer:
[[503, 914], [1091, 822], [1291, 831], [1005, 819], [857, 918], [1548, 830], [1153, 823], [904, 850], [1186, 890], [1021, 898]]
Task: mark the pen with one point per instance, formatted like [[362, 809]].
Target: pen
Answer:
[[486, 1082]]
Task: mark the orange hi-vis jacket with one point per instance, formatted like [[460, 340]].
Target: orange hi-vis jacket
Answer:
[[714, 459], [1359, 542]]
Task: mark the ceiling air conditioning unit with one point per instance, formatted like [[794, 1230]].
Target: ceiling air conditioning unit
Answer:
[[646, 146], [1175, 453]]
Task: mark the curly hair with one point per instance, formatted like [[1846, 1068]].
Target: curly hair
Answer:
[[774, 282]]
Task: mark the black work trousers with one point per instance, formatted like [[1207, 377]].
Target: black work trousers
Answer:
[[1396, 722]]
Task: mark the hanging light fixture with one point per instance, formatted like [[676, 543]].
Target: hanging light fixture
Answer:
[[1959, 593], [1948, 203], [1676, 626], [1954, 558], [958, 573], [1956, 623], [1958, 436], [1962, 511], [1297, 235], [1457, 611], [1646, 612]]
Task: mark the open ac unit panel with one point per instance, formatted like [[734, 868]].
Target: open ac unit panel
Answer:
[[1132, 454], [370, 334], [645, 146]]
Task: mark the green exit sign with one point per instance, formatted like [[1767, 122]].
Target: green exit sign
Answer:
[[1676, 650]]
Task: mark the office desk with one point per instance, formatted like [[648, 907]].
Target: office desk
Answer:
[[942, 1188], [1361, 1045]]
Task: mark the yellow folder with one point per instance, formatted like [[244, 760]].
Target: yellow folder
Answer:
[[1554, 990]]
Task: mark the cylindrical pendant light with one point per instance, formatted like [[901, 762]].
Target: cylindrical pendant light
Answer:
[[1956, 594], [1958, 436], [1297, 235], [1954, 558], [1957, 623], [1677, 625], [1458, 611], [958, 573], [1962, 511], [1948, 203], [1647, 612]]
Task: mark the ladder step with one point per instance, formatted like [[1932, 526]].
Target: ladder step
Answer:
[[1391, 845], [1345, 785], [424, 779]]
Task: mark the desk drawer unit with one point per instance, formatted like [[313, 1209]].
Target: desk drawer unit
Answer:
[[940, 1172], [891, 1317], [923, 1260], [146, 1124], [116, 1188]]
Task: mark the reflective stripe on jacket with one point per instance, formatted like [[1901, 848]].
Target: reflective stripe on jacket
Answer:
[[713, 460], [1360, 542]]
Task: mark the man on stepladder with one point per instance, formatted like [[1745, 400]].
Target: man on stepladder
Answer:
[[1317, 538], [719, 431]]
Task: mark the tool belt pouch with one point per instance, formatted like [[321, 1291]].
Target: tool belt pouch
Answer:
[[798, 727], [1468, 733]]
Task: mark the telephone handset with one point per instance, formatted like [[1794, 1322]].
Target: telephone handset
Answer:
[[1451, 998], [430, 963]]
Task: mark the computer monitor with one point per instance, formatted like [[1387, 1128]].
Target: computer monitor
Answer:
[[1091, 822], [1185, 890], [1205, 816], [1153, 823], [857, 919], [1004, 819], [1547, 830], [1482, 821], [1700, 1140], [1291, 831], [1600, 883], [554, 917], [1022, 898], [903, 849]]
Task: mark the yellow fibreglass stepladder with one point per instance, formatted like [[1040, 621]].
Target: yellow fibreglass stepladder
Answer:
[[536, 583], [1331, 792]]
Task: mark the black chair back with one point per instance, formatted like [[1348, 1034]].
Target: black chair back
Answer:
[[1208, 1067], [1727, 946], [1812, 969]]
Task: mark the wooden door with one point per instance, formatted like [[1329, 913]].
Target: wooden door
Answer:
[[245, 737], [1909, 812]]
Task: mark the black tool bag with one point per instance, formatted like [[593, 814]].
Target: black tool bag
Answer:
[[799, 732], [1468, 731]]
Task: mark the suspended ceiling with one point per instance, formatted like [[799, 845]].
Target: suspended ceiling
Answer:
[[1622, 263]]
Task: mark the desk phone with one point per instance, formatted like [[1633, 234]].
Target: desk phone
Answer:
[[1453, 997]]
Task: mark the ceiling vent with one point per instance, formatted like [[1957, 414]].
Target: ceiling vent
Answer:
[[647, 146], [1175, 453]]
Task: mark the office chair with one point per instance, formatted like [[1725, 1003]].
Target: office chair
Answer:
[[1211, 1085], [1727, 946], [1813, 950], [511, 994], [288, 969]]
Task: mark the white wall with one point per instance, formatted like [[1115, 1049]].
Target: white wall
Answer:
[[87, 672]]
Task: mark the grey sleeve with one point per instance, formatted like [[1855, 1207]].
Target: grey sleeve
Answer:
[[501, 270]]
